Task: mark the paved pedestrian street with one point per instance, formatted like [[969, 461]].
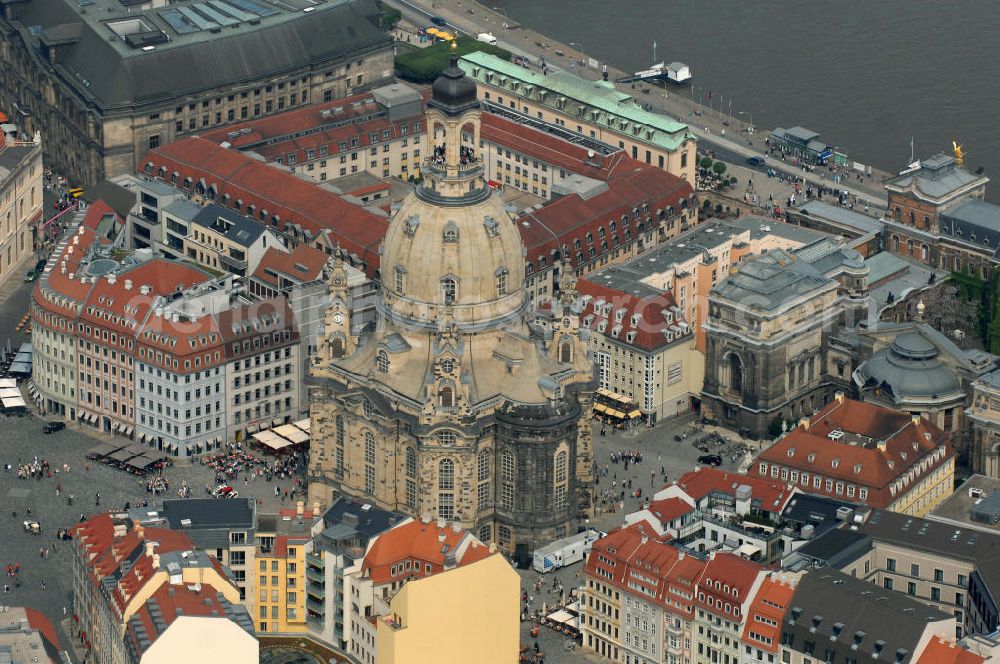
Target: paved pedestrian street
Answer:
[[20, 441]]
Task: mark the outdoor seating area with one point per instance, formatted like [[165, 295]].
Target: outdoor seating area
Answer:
[[284, 435], [131, 458], [19, 363]]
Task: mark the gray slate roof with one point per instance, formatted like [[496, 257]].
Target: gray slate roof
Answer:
[[974, 221], [910, 367], [242, 230], [936, 177], [841, 215], [772, 281], [102, 67], [854, 618]]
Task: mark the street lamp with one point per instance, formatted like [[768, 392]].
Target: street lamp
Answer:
[[748, 113], [579, 47], [506, 19]]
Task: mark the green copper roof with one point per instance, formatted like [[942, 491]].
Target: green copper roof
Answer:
[[617, 111]]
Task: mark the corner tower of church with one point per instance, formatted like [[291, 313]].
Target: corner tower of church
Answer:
[[453, 407]]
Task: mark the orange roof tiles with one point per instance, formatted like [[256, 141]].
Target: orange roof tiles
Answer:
[[551, 149], [876, 447], [648, 330], [698, 484], [38, 620], [668, 509], [302, 265], [424, 544], [766, 611], [294, 200], [726, 583], [939, 651], [570, 218]]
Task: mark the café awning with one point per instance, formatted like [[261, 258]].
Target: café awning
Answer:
[[635, 413], [600, 408], [13, 402], [9, 393], [304, 424], [6, 383]]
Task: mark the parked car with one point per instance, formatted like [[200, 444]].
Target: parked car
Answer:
[[756, 162], [437, 20], [710, 460], [34, 272], [52, 427]]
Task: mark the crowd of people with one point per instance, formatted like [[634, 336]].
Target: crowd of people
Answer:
[[34, 469], [466, 155]]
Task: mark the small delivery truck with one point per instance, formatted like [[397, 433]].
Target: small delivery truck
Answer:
[[564, 552]]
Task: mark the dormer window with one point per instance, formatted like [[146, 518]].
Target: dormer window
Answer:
[[451, 232], [399, 279], [492, 226], [412, 224]]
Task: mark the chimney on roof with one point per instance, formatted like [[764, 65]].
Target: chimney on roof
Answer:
[[915, 418], [316, 511], [425, 518], [493, 547], [72, 275], [145, 289], [112, 279], [76, 239], [79, 230], [456, 526], [441, 524], [804, 423], [880, 444], [839, 396], [128, 284], [441, 537], [300, 508]]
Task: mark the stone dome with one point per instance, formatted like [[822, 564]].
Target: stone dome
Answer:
[[910, 368], [469, 257], [453, 92]]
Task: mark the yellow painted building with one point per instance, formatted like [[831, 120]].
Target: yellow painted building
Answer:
[[282, 543], [465, 614]]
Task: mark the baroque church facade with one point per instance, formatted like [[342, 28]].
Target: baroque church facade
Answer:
[[453, 407]]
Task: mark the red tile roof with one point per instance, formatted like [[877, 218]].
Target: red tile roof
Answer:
[[175, 600], [855, 457], [726, 583], [422, 543], [668, 509], [772, 495], [295, 201], [37, 620], [569, 218], [302, 265], [649, 328], [764, 616], [285, 133], [939, 651], [550, 149]]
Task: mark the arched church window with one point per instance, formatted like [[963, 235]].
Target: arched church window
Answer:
[[446, 397], [399, 279], [382, 361], [449, 288], [446, 475], [451, 232], [566, 352]]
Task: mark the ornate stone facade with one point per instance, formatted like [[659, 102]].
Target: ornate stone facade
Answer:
[[452, 406]]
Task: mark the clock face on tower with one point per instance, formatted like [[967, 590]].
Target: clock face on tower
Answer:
[[338, 281], [338, 318]]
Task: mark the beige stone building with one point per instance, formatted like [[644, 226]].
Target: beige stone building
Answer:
[[106, 81], [20, 201], [983, 416], [453, 405], [380, 132], [593, 109]]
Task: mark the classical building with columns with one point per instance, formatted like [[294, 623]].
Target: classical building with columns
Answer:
[[452, 406]]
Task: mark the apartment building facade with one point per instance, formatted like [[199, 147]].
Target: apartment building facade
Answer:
[[595, 110], [21, 205], [100, 126]]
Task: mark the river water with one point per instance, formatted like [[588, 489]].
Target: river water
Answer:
[[866, 74]]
